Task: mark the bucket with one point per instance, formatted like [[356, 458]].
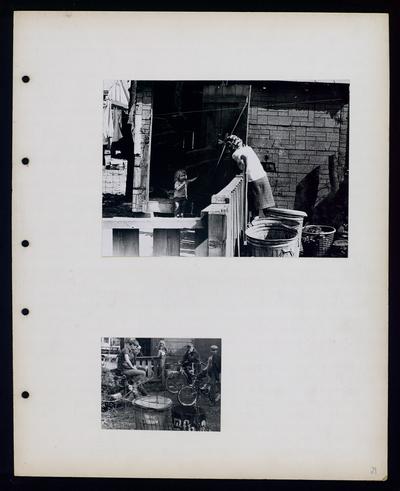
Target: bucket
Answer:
[[152, 413], [296, 215], [271, 238], [284, 221], [286, 214]]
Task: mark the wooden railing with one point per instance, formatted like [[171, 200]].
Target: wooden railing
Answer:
[[227, 218], [217, 232], [152, 364]]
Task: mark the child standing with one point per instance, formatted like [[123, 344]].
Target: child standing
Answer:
[[180, 191], [162, 353]]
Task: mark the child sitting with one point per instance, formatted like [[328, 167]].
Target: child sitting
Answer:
[[180, 191]]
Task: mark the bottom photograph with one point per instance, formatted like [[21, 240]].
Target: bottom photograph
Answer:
[[161, 384]]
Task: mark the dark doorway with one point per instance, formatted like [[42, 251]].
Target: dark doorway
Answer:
[[188, 119]]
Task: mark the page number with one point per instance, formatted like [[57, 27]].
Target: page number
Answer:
[[372, 470]]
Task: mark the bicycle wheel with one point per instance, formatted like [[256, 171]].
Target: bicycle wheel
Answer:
[[174, 382], [187, 396]]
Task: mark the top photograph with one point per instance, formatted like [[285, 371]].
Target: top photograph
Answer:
[[225, 168]]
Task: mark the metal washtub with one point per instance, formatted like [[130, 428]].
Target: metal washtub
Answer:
[[272, 238]]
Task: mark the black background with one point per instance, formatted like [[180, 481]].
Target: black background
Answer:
[[6, 453]]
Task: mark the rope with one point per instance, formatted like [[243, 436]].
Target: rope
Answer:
[[233, 129], [268, 105], [197, 111]]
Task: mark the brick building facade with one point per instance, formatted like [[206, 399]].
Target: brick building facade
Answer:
[[298, 129], [303, 130]]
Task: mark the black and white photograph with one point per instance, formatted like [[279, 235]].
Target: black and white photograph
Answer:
[[142, 137], [225, 168], [161, 384]]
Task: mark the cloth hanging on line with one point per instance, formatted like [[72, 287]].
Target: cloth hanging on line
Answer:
[[108, 125], [118, 94], [112, 123], [117, 123]]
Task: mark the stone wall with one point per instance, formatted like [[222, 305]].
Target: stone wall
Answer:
[[302, 128], [142, 140]]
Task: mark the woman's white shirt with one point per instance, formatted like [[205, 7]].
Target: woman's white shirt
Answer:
[[254, 168]]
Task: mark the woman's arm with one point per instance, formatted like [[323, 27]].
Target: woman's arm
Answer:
[[193, 179], [243, 165]]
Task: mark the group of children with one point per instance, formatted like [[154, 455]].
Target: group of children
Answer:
[[259, 191]]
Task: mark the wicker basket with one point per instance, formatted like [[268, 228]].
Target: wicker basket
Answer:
[[317, 240]]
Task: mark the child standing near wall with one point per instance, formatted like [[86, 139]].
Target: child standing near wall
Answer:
[[180, 191]]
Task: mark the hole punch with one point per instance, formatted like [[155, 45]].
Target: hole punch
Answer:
[[25, 161], [25, 243], [25, 79], [25, 311], [25, 394]]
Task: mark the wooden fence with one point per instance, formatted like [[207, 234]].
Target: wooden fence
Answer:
[[217, 232], [227, 218]]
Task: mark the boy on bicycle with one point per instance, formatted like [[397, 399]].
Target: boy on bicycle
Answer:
[[191, 362]]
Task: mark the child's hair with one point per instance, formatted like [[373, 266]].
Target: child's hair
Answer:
[[179, 173]]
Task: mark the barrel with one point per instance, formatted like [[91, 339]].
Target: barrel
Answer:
[[271, 238], [152, 412]]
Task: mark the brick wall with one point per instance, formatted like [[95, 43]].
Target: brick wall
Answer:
[[300, 127], [114, 177], [142, 139]]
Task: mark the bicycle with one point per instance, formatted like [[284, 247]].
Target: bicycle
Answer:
[[189, 394], [176, 379], [120, 392]]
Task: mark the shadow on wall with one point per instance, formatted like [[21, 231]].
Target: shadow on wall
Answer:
[[331, 210], [307, 192]]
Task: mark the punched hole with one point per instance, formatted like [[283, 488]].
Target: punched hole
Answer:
[[25, 79], [25, 243], [25, 161], [25, 394], [25, 311]]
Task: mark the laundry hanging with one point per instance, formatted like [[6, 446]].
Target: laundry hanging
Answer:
[[108, 125], [118, 94], [117, 124]]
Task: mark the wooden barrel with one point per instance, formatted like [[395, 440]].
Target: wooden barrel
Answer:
[[152, 412]]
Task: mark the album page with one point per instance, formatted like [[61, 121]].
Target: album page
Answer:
[[200, 234]]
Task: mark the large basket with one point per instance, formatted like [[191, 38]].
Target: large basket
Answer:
[[317, 240]]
